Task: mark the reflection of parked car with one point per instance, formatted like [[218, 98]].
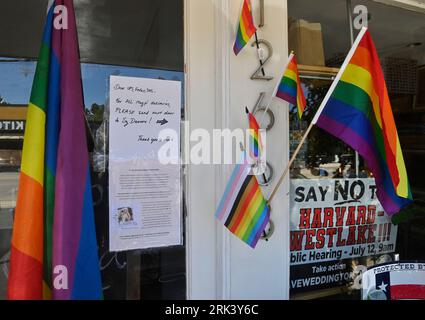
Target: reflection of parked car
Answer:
[[9, 168]]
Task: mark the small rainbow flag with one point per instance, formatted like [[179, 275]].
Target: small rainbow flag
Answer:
[[243, 209], [357, 110], [246, 28], [54, 219], [255, 143], [290, 89]]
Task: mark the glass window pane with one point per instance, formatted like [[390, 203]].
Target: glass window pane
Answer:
[[127, 38], [320, 268]]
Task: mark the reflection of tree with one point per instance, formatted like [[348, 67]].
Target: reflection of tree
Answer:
[[321, 147], [2, 101], [95, 113]]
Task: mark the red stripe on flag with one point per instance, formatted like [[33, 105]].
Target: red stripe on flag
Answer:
[[407, 291], [25, 281]]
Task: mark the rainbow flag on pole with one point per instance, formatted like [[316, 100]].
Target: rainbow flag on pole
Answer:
[[54, 220], [243, 209], [246, 28], [357, 110], [290, 89]]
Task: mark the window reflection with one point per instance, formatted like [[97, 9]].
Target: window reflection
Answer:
[[324, 159]]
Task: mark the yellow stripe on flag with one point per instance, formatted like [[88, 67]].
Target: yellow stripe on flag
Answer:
[[243, 31], [33, 150], [361, 78], [403, 185], [291, 74], [249, 214]]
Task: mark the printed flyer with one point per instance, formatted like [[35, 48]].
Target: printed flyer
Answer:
[[334, 221], [144, 193]]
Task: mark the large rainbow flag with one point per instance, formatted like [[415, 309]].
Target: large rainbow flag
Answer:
[[243, 209], [246, 28], [54, 232], [357, 110], [290, 89]]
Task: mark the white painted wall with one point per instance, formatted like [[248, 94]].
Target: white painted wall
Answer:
[[200, 97], [218, 87]]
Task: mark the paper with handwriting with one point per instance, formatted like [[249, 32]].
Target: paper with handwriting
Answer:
[[144, 195]]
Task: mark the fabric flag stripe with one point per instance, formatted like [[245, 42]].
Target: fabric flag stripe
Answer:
[[255, 203], [241, 204], [359, 113], [52, 134], [32, 163], [255, 223], [54, 211], [26, 261], [74, 236], [359, 138], [87, 283], [243, 209], [408, 291], [246, 28], [256, 146], [290, 88], [236, 180]]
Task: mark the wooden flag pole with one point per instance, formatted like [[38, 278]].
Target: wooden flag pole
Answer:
[[319, 111], [288, 166]]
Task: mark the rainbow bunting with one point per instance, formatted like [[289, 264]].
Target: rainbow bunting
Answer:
[[290, 89], [255, 143], [359, 113], [54, 220], [243, 209], [246, 28]]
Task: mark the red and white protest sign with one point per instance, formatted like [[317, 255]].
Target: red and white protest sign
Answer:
[[334, 219]]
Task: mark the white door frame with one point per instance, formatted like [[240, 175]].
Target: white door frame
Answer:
[[217, 85]]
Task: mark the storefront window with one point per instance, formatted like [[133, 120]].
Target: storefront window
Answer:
[[328, 257], [126, 38]]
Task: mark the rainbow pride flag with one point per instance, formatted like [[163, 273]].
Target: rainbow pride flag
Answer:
[[255, 143], [246, 28], [290, 89], [357, 110], [243, 209], [54, 219]]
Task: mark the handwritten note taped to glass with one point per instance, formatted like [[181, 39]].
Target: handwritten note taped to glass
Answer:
[[144, 194], [139, 109]]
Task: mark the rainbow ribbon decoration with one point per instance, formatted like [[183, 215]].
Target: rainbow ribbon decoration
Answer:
[[290, 89], [246, 28], [358, 111], [54, 219], [243, 209]]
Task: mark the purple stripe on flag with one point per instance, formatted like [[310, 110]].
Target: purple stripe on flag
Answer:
[[253, 244], [284, 96], [72, 166], [352, 138]]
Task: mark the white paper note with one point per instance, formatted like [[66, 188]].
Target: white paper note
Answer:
[[144, 194]]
